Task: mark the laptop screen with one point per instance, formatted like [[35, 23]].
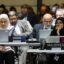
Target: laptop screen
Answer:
[[43, 34], [4, 35], [53, 39]]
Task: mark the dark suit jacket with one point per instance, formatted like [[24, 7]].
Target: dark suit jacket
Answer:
[[32, 18], [54, 33], [36, 29]]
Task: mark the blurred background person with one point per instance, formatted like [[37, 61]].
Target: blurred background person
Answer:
[[3, 9], [12, 8], [43, 10], [13, 18], [27, 13], [62, 5], [58, 14]]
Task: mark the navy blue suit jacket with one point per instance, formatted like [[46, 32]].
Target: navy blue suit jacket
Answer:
[[36, 29]]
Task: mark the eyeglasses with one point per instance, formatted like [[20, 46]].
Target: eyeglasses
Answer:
[[47, 21], [3, 22]]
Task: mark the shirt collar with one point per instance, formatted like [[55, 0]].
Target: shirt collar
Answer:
[[48, 28]]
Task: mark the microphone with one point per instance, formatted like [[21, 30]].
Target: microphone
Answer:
[[42, 43]]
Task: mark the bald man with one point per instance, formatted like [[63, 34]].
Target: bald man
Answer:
[[46, 24]]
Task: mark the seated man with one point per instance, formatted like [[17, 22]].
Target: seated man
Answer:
[[24, 30], [46, 24]]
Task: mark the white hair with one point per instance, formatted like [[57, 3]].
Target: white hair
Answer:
[[59, 13], [47, 16], [5, 16]]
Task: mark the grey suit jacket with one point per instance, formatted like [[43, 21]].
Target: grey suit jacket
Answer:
[[23, 28]]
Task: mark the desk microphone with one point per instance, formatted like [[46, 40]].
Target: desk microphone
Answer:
[[42, 43]]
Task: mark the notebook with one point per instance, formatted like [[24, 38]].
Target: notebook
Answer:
[[4, 35]]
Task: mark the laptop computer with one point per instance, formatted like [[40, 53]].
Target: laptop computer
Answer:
[[53, 42], [43, 34], [4, 36], [53, 39]]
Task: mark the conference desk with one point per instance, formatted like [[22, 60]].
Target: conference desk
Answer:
[[59, 51], [15, 43], [23, 46]]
